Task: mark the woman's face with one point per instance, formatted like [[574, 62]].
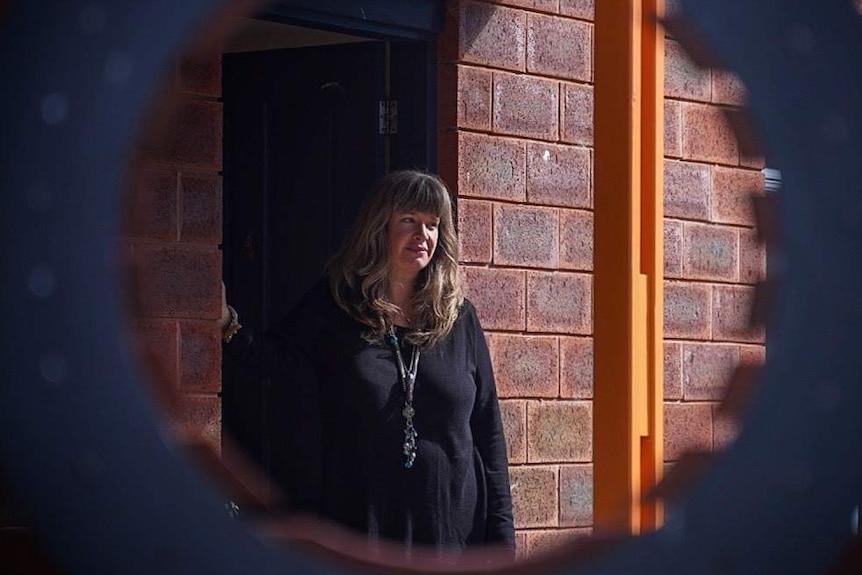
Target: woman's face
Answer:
[[412, 241]]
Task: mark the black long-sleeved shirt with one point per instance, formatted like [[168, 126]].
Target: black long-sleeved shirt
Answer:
[[347, 429]]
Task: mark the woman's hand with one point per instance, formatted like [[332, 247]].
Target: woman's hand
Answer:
[[225, 312]]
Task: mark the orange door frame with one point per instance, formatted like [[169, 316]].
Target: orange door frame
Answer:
[[628, 252]]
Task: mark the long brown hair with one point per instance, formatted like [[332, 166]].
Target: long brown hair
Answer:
[[358, 272]]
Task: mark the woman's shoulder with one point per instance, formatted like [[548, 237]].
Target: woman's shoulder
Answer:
[[468, 317], [467, 308]]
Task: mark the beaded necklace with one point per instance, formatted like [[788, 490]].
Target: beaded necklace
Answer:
[[408, 382]]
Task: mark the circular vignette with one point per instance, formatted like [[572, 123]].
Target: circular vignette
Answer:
[[79, 438], [110, 494]]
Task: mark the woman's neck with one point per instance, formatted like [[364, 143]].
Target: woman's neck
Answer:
[[400, 292]]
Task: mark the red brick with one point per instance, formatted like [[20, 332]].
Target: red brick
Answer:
[[576, 495], [728, 89], [687, 310], [672, 129], [732, 189], [706, 369], [577, 114], [710, 252], [584, 9], [687, 426], [752, 257], [514, 415], [448, 104], [576, 367], [547, 540], [752, 354], [682, 77], [534, 496], [201, 75], [559, 47], [559, 431], [178, 281], [672, 371], [539, 5], [198, 416], [754, 162], [520, 545], [558, 175], [151, 210], [576, 240], [200, 356], [492, 35], [193, 136], [525, 366], [559, 302], [686, 190], [474, 230], [449, 164], [449, 37], [464, 97], [526, 106], [499, 296], [706, 135], [526, 236], [474, 98], [491, 167], [725, 430], [202, 208], [672, 249], [731, 314], [154, 343]]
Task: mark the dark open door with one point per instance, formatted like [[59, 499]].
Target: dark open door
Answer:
[[302, 146]]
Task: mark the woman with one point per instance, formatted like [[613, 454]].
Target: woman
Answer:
[[394, 392]]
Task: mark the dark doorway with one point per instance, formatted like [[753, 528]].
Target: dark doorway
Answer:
[[303, 142]]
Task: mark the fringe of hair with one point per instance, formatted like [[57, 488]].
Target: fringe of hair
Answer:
[[358, 272]]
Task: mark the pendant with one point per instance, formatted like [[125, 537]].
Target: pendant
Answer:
[[408, 381], [410, 435]]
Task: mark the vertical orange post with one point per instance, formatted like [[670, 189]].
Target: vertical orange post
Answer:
[[652, 247], [627, 404]]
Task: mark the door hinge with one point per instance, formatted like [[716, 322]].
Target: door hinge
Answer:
[[387, 115]]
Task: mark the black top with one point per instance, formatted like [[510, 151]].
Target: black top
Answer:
[[346, 428]]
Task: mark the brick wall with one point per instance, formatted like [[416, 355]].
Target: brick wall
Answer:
[[515, 142], [516, 133], [171, 240], [712, 258], [516, 139]]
